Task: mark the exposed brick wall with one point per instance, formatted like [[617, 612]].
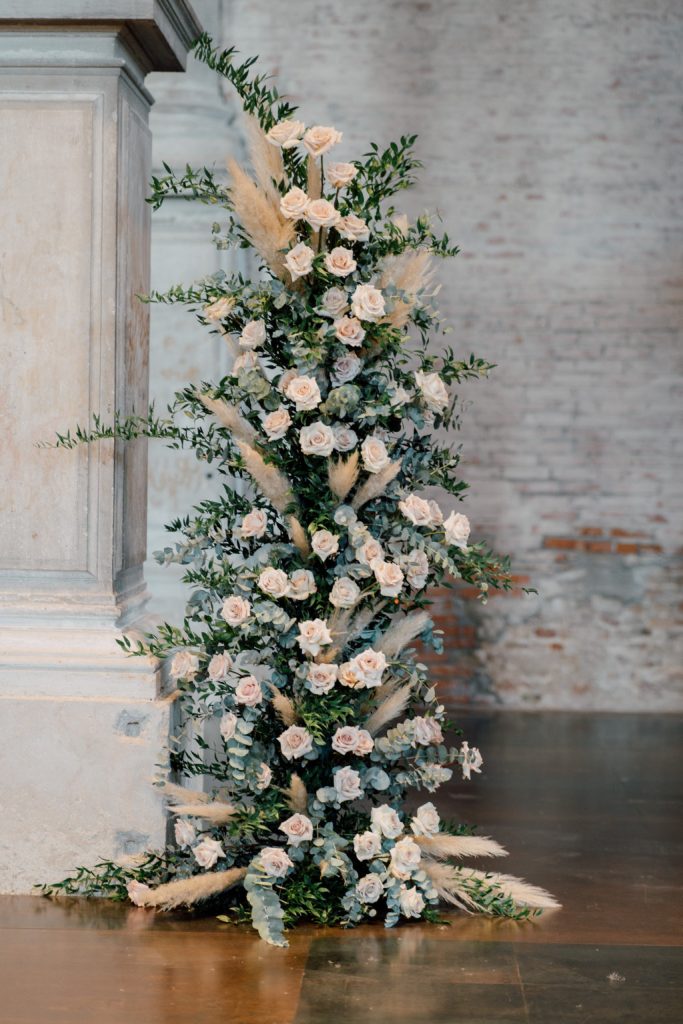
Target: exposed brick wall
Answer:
[[552, 138]]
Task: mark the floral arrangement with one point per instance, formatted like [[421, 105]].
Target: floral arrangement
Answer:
[[304, 706]]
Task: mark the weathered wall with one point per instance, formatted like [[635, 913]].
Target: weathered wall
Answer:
[[551, 135]]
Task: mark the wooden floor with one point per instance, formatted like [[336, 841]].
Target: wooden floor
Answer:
[[588, 805]]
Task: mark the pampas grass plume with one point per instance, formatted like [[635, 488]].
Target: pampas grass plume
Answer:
[[296, 794], [390, 708], [401, 632], [187, 891], [376, 484], [444, 846], [342, 475]]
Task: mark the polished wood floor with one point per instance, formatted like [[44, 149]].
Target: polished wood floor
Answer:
[[588, 805]]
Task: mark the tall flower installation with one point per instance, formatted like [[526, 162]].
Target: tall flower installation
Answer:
[[304, 708]]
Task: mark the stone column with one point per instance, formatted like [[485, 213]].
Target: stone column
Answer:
[[83, 725]]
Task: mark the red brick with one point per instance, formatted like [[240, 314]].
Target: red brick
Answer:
[[545, 632], [627, 549], [617, 532], [591, 531], [563, 543], [598, 546]]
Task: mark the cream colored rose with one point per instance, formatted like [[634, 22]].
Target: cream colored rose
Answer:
[[236, 610], [346, 781], [325, 544], [345, 439], [273, 582], [364, 743], [254, 524], [228, 725], [207, 852], [219, 309], [184, 665], [353, 228], [370, 551], [405, 858], [411, 901], [286, 377], [185, 832], [349, 331], [369, 889], [253, 334], [264, 776], [348, 676], [470, 760], [286, 134], [299, 260], [298, 829], [248, 691], [301, 585], [385, 821], [367, 845], [317, 439], [219, 667], [320, 139], [344, 593], [340, 262], [277, 423], [375, 454], [389, 577], [432, 389], [275, 861], [416, 509], [313, 636], [321, 213], [457, 530], [304, 392], [416, 566], [345, 739], [322, 677], [426, 820], [335, 301], [345, 369], [338, 175], [294, 204], [367, 303], [295, 742], [427, 731], [137, 892], [369, 666]]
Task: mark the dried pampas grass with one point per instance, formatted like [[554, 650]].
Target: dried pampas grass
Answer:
[[410, 273], [182, 795], [229, 416], [284, 707], [342, 475], [259, 214], [296, 794], [216, 812], [401, 632], [314, 180], [266, 160], [390, 708], [188, 891], [376, 484], [298, 536], [452, 886], [442, 847]]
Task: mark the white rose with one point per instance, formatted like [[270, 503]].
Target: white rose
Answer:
[[471, 760], [277, 423], [369, 888], [286, 377], [364, 743], [298, 829], [370, 551], [321, 213], [345, 369], [389, 577], [301, 585], [457, 529], [416, 565], [295, 742], [340, 262], [411, 901], [294, 204], [253, 334], [219, 309], [322, 677], [432, 389], [349, 331], [345, 739], [299, 260], [427, 731], [347, 784], [275, 861], [335, 301], [417, 510], [367, 845], [137, 891], [286, 134], [264, 776], [219, 666], [320, 139], [405, 858], [248, 691], [385, 821], [304, 392], [254, 524], [344, 593], [325, 544], [367, 303], [375, 455], [348, 676], [345, 439], [426, 821], [235, 610], [313, 635], [317, 439], [273, 582], [338, 175], [228, 725], [207, 852], [244, 361], [369, 666], [399, 396], [185, 832], [184, 665], [353, 228]]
